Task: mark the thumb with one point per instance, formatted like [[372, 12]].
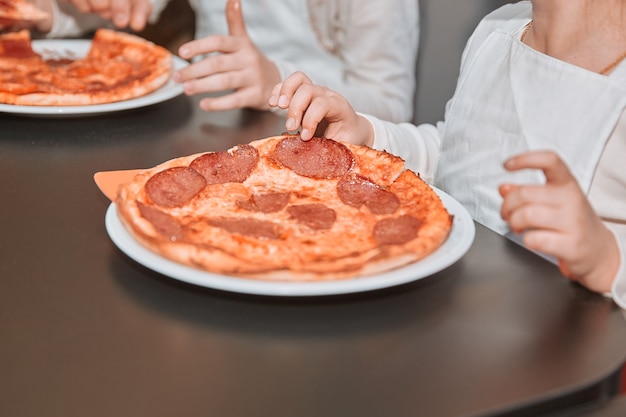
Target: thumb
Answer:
[[234, 18]]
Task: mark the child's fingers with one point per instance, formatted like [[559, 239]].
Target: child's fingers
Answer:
[[139, 15], [120, 12], [273, 100], [82, 6], [315, 113], [289, 87], [536, 217], [550, 242], [298, 105], [520, 195], [234, 18], [549, 162]]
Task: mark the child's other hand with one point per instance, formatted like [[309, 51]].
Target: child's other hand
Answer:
[[319, 111], [123, 13], [559, 221], [238, 65]]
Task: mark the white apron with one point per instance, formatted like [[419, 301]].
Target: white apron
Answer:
[[512, 99]]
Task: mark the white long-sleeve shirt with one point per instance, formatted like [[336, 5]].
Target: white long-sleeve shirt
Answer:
[[365, 50], [511, 99]]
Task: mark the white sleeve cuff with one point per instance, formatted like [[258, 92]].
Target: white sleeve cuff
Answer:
[[417, 145]]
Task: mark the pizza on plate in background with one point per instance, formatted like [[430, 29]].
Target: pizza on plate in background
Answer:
[[118, 66]]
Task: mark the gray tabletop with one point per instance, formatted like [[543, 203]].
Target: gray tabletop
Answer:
[[86, 331]]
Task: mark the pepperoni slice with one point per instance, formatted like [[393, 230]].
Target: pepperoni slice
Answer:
[[315, 216], [247, 227], [265, 203], [173, 187], [357, 190], [316, 158], [234, 165], [162, 222], [396, 230]]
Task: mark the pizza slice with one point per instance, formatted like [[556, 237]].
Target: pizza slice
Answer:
[[18, 64], [16, 46]]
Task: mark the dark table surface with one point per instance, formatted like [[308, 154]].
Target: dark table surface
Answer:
[[616, 407], [86, 331]]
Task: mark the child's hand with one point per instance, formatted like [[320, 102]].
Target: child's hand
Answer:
[[33, 22], [320, 111], [123, 13], [559, 221], [238, 66]]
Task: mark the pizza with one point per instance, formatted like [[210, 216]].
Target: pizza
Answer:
[[282, 208], [16, 12], [118, 66]]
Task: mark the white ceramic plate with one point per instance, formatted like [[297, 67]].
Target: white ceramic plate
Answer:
[[77, 48], [457, 244]]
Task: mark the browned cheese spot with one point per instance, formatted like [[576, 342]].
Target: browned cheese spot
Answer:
[[265, 203], [247, 227], [165, 224], [315, 216]]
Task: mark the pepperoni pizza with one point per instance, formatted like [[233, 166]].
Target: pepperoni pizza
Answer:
[[285, 209], [119, 66]]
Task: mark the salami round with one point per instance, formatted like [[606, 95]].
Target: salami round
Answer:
[[285, 209]]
